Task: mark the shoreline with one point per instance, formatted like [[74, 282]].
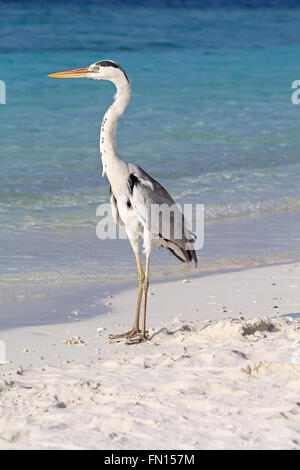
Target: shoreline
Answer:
[[69, 297], [47, 259]]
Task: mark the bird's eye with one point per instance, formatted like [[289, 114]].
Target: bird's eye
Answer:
[[96, 68]]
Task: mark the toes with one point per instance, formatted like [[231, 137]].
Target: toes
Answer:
[[117, 336], [129, 334], [139, 339], [134, 333]]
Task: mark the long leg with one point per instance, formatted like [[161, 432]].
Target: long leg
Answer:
[[145, 288], [141, 277], [143, 335]]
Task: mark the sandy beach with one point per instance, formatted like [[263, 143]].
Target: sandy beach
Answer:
[[221, 369]]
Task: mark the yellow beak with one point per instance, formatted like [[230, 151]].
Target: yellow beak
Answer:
[[72, 73]]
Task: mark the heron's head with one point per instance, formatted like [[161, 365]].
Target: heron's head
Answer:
[[103, 70]]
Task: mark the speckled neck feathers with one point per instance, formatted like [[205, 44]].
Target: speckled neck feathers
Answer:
[[108, 145]]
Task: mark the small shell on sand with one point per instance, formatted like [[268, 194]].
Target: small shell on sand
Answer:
[[74, 340], [93, 385], [186, 281]]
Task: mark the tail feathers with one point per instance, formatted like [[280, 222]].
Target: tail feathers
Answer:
[[193, 257], [185, 256]]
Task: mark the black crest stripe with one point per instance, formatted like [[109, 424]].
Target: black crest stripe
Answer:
[[109, 63]]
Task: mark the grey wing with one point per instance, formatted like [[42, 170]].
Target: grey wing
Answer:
[[114, 210], [172, 234], [151, 183]]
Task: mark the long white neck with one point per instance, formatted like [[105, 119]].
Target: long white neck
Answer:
[[108, 144]]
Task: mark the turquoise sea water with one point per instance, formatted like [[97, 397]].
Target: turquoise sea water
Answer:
[[210, 117]]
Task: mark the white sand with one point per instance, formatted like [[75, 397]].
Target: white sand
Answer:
[[206, 380]]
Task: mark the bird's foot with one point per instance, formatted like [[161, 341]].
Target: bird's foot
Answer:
[[141, 338], [129, 334]]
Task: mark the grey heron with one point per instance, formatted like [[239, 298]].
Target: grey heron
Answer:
[[133, 193]]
